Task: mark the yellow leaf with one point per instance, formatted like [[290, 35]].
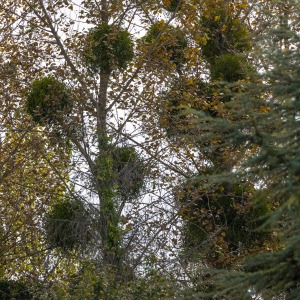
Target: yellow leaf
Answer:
[[190, 81]]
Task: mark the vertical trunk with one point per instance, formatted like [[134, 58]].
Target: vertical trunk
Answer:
[[104, 79], [108, 217], [102, 104], [104, 12]]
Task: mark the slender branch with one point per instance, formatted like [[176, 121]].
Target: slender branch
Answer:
[[140, 257], [62, 49], [168, 165]]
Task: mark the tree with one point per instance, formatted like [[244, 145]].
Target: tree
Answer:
[[119, 175], [272, 128], [218, 215], [29, 184], [77, 82]]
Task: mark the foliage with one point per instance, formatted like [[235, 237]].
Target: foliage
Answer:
[[107, 48], [219, 217], [224, 33], [172, 105], [230, 68], [67, 224], [129, 169], [187, 99], [93, 281], [170, 45], [120, 174], [179, 98], [223, 214], [273, 275], [10, 289], [152, 286], [171, 5], [48, 101], [28, 186]]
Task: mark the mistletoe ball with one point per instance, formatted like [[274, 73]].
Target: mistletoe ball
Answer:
[[48, 101], [67, 224], [171, 43], [108, 48]]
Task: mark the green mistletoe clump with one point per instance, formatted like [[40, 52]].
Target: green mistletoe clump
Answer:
[[48, 101], [108, 48]]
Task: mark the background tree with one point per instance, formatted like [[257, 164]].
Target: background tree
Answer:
[[274, 275], [218, 215]]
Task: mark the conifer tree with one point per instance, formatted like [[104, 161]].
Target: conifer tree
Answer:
[[271, 127], [275, 275]]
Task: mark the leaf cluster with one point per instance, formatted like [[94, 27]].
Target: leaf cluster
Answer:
[[67, 224], [170, 45], [48, 101], [230, 68], [226, 43], [273, 274], [225, 34], [130, 171], [107, 48], [12, 289], [186, 99]]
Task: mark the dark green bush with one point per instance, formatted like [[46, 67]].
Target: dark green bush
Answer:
[[230, 68], [67, 224], [108, 48], [130, 171], [48, 101], [11, 289]]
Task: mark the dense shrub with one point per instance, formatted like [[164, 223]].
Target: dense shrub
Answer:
[[11, 289], [48, 101]]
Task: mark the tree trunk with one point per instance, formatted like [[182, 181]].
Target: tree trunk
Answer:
[[109, 220]]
